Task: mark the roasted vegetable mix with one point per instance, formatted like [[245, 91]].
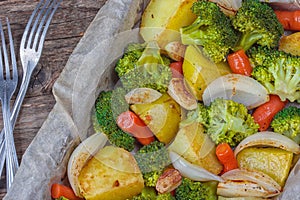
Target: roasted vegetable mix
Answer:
[[207, 111]]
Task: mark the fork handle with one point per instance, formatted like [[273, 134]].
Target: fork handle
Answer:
[[15, 111], [11, 155], [21, 95]]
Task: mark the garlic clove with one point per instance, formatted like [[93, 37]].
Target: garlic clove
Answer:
[[180, 93]]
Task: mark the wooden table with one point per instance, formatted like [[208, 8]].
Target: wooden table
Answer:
[[67, 27]]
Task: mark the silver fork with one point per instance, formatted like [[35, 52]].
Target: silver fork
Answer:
[[8, 85], [30, 52]]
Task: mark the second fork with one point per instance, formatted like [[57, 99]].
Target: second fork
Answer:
[[8, 85]]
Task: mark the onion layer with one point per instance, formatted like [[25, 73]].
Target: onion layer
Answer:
[[191, 171], [253, 176], [242, 188], [239, 88], [268, 138], [246, 183]]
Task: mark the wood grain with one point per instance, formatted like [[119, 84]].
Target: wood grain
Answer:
[[67, 27]]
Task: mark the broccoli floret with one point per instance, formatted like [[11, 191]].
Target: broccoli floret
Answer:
[[224, 121], [287, 122], [195, 190], [62, 198], [198, 115], [212, 29], [151, 178], [152, 159], [278, 71], [106, 120], [149, 193], [145, 67], [229, 122], [131, 55], [258, 24], [165, 196]]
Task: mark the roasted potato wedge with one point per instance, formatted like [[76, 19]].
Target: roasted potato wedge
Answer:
[[196, 147], [199, 70], [112, 173], [290, 43], [161, 116], [164, 26], [272, 161]]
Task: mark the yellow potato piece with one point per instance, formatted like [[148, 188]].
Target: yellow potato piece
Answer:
[[161, 116], [111, 174], [196, 147], [199, 70], [162, 20], [274, 162], [290, 43]]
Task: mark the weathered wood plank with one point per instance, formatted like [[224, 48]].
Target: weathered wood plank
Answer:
[[68, 25]]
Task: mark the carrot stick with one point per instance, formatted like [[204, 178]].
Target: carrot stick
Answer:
[[226, 157], [290, 20], [239, 63], [59, 190], [129, 122], [264, 114]]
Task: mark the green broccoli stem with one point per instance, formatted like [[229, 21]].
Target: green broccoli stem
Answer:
[[150, 59], [294, 81], [247, 40], [191, 33]]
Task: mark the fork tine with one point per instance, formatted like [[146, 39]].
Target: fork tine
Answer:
[[54, 5], [12, 51], [40, 13], [26, 31], [36, 38], [1, 60], [5, 57]]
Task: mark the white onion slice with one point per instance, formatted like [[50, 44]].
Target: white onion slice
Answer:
[[82, 153], [253, 176], [243, 188], [239, 88], [142, 95], [268, 138], [191, 171]]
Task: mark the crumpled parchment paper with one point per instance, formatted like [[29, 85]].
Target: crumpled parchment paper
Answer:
[[88, 71]]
